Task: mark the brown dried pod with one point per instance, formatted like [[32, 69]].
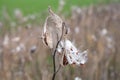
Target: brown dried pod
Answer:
[[52, 30]]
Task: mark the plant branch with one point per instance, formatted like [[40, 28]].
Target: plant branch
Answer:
[[54, 64]]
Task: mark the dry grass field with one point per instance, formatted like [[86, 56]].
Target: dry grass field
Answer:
[[23, 56]]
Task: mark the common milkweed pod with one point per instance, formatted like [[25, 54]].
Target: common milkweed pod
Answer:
[[71, 54], [52, 30]]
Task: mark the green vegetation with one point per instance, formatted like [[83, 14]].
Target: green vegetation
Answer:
[[33, 6], [27, 6]]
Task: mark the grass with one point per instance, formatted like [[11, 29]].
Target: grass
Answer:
[[38, 7], [101, 61], [27, 6], [35, 6]]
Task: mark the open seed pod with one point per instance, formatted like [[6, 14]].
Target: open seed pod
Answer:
[[70, 54], [52, 30]]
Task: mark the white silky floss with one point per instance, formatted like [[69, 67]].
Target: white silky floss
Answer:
[[72, 54]]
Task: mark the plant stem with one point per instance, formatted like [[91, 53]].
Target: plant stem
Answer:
[[54, 64], [53, 78]]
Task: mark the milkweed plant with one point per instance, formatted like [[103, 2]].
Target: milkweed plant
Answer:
[[55, 36]]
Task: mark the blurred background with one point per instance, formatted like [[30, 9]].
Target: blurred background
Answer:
[[94, 25]]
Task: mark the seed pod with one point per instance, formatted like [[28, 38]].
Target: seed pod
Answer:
[[70, 54], [52, 30]]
